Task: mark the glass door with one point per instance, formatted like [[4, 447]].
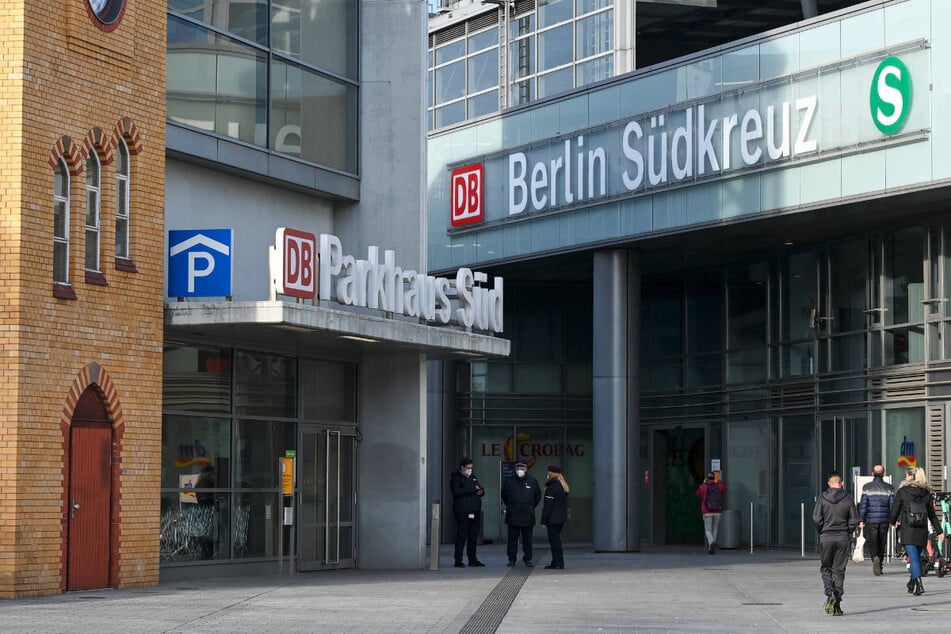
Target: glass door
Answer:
[[326, 528], [843, 445]]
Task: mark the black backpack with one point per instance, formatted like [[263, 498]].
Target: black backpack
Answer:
[[916, 515]]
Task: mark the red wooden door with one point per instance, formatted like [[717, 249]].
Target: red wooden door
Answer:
[[90, 460]]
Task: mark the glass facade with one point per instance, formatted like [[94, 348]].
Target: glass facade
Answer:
[[552, 47], [277, 74], [228, 416]]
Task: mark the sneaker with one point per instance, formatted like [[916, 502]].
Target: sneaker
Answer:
[[876, 566], [458, 564], [830, 606], [475, 563], [510, 564]]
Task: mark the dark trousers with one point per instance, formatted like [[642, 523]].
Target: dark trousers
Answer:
[[833, 558], [526, 534], [554, 540], [876, 540], [467, 532]]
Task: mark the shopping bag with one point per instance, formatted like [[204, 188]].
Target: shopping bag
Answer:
[[858, 554]]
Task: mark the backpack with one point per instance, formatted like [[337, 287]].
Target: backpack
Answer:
[[917, 514], [712, 498]]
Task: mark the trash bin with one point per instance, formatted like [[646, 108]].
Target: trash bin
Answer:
[[728, 533]]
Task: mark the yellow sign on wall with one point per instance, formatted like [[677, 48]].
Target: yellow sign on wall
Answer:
[[287, 475]]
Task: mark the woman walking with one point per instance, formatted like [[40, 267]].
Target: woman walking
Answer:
[[555, 513], [912, 511]]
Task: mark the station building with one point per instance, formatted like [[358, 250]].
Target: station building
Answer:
[[735, 256], [212, 225]]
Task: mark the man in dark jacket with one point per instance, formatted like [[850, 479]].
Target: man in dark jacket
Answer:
[[835, 520], [520, 495], [467, 510], [875, 510]]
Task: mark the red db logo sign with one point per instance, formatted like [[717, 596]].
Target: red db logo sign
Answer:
[[297, 255], [466, 196]]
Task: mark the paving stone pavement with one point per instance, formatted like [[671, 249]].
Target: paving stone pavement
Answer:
[[661, 590]]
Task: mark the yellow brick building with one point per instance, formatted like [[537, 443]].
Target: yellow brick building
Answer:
[[81, 94]]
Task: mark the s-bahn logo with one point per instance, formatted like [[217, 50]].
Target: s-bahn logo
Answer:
[[466, 199], [890, 95]]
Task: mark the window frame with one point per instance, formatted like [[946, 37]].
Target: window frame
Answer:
[[61, 198], [123, 178], [93, 210]]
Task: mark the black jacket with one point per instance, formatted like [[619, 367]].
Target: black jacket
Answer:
[[907, 493], [521, 496], [464, 497], [835, 516], [555, 508], [875, 507]]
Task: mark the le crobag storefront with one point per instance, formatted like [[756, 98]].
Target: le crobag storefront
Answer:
[[807, 172]]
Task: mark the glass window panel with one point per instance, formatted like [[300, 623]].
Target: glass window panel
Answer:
[[450, 81], [255, 524], [122, 200], [704, 370], [189, 445], [215, 83], [847, 264], [61, 180], [704, 302], [60, 256], [259, 444], [320, 32], [554, 47], [264, 384], [430, 94], [523, 92], [484, 71], [798, 312], [60, 220], [313, 117], [451, 114], [451, 51], [247, 19], [904, 345], [799, 359], [594, 70], [328, 391], [92, 250], [904, 441], [522, 57], [196, 379], [489, 446], [842, 353], [663, 375], [746, 306], [483, 40], [537, 378], [554, 11], [584, 6], [749, 467], [483, 104], [594, 35], [522, 26], [556, 82], [798, 485], [905, 280], [747, 366]]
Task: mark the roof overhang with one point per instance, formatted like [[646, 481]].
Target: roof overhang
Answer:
[[320, 329]]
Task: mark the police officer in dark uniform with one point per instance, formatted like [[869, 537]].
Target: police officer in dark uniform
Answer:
[[467, 510], [521, 495]]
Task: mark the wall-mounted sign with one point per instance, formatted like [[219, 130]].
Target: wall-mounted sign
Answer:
[[295, 269], [200, 262], [466, 199]]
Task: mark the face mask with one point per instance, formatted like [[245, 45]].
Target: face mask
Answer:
[[467, 472], [520, 473]]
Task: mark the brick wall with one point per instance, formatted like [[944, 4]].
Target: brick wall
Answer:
[[62, 80]]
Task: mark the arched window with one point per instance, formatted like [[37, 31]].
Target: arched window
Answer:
[[61, 223], [122, 200], [92, 212]]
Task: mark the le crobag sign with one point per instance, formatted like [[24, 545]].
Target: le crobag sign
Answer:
[[308, 267]]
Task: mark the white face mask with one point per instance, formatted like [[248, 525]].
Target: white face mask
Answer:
[[520, 473], [467, 472]]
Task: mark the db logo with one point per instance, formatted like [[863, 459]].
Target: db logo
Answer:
[[296, 256], [466, 197]]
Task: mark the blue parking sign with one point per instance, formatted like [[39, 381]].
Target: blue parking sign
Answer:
[[199, 262]]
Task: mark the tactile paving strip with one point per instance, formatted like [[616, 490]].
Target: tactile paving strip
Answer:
[[488, 617]]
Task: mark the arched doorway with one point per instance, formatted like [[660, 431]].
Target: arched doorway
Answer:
[[90, 494]]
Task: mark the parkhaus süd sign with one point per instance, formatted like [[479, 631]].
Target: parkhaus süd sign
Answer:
[[306, 267], [763, 126]]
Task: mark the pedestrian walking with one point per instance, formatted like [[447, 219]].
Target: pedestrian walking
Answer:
[[912, 511], [520, 495], [467, 511], [836, 519], [875, 511], [555, 513], [711, 494]]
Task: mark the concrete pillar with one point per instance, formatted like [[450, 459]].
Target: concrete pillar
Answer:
[[616, 434]]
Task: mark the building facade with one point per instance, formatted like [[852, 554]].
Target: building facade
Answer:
[[736, 259]]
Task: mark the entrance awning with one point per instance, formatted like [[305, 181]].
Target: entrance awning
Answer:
[[322, 328]]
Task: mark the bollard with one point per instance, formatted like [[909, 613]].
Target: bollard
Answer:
[[434, 539], [751, 528], [802, 529]]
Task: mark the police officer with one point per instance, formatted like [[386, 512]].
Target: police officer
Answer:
[[467, 510], [521, 495]]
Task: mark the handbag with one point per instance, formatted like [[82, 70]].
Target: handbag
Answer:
[[858, 553]]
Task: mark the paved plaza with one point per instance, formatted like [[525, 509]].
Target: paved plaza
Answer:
[[663, 590]]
